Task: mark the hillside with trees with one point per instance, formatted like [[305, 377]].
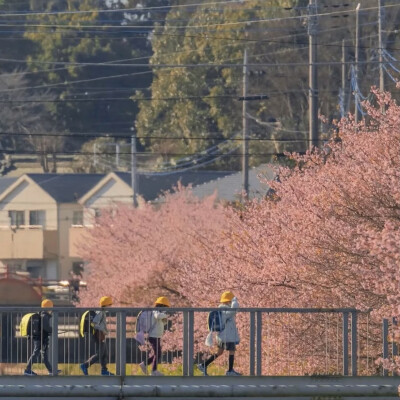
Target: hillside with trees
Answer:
[[173, 70]]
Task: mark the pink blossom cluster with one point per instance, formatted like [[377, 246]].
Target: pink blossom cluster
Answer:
[[327, 236]]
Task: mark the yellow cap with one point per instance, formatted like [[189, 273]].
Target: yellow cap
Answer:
[[163, 301], [46, 303], [105, 301], [226, 297]]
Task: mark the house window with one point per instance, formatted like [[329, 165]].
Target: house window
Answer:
[[17, 218], [37, 217], [35, 271], [77, 268], [77, 218], [97, 212]]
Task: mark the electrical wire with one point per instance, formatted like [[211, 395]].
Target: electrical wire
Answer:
[[141, 9], [88, 80], [246, 22], [73, 135], [144, 35], [86, 153]]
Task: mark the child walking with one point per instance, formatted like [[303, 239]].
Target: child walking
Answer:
[[41, 341], [99, 337], [228, 338], [159, 322]]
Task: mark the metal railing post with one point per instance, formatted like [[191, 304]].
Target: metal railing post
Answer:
[[54, 341], [385, 344], [185, 343], [190, 349], [120, 337], [259, 343], [395, 349], [1, 337], [345, 343], [252, 342], [354, 348]]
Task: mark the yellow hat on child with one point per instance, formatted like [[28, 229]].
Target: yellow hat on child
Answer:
[[163, 301], [46, 303], [105, 301], [226, 297]]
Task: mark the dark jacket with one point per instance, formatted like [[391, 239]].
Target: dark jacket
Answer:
[[45, 326]]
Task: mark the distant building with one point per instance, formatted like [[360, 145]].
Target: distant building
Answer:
[[152, 186], [42, 216], [229, 188], [39, 213]]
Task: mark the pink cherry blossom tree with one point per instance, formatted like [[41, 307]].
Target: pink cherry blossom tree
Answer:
[[326, 237], [133, 253]]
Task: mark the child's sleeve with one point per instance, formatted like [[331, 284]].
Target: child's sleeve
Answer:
[[159, 315], [96, 321], [47, 324], [235, 303]]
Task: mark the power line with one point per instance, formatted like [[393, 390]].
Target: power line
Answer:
[[172, 53], [123, 75], [112, 136], [132, 30], [172, 98], [101, 78], [68, 100], [199, 65], [246, 22], [138, 10], [67, 83], [144, 35], [141, 154]]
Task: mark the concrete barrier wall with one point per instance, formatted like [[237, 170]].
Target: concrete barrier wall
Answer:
[[172, 387]]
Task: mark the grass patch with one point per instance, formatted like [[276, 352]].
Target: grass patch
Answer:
[[95, 369]]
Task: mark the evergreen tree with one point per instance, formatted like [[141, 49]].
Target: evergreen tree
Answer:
[[200, 101], [75, 33]]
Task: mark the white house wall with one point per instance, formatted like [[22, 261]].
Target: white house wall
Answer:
[[113, 192], [27, 197]]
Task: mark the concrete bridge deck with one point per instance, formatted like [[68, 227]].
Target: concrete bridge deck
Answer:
[[196, 388]]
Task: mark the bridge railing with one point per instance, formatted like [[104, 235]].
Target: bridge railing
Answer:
[[274, 341]]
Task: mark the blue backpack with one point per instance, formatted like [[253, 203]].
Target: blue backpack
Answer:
[[214, 321]]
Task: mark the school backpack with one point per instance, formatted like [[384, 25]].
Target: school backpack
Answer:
[[215, 321], [86, 324], [30, 325], [144, 321]]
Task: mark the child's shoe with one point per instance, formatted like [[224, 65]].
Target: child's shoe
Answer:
[[203, 369], [233, 373], [29, 372], [58, 372], [156, 373], [106, 372], [143, 367], [84, 369]]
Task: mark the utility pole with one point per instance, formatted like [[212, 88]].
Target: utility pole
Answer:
[[245, 157], [94, 155], [313, 75], [117, 151], [356, 94], [381, 70], [134, 177], [344, 85]]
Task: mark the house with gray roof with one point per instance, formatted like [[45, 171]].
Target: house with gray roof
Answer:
[[43, 216], [229, 188], [37, 215]]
